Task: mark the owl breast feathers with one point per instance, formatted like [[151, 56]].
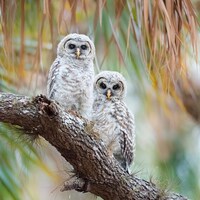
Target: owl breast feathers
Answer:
[[70, 79], [112, 118]]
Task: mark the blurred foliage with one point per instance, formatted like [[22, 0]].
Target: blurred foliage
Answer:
[[153, 43], [17, 156]]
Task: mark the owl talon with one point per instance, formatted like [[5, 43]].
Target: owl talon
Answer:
[[89, 128], [75, 113]]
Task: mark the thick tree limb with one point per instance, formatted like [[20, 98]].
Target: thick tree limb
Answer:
[[95, 170]]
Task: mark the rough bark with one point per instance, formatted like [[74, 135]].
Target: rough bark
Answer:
[[95, 170]]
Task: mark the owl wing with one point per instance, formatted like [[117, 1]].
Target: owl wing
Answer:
[[127, 133], [52, 78]]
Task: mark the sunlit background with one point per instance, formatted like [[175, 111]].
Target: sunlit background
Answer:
[[154, 44]]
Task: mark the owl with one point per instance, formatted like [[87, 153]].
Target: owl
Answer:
[[112, 119], [71, 76]]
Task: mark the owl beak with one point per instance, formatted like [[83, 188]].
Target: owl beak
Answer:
[[108, 94], [78, 53]]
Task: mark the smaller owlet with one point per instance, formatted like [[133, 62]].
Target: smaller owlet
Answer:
[[71, 76], [112, 119]]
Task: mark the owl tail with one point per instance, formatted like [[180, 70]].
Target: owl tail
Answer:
[[123, 162], [126, 166]]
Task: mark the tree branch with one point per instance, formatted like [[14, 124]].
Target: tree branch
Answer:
[[96, 171]]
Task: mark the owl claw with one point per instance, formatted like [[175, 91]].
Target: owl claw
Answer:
[[75, 113]]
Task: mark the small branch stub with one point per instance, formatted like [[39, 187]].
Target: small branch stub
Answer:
[[46, 106], [74, 183]]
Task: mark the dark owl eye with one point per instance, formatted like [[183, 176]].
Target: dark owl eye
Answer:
[[84, 47], [103, 85], [116, 87], [71, 46]]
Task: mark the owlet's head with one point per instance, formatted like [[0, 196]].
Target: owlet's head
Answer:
[[110, 84], [76, 46]]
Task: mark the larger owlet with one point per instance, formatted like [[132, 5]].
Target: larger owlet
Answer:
[[112, 119], [70, 80]]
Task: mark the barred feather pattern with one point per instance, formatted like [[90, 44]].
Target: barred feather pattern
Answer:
[[127, 131], [70, 79], [115, 124]]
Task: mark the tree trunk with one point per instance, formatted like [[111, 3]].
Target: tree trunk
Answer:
[[95, 170]]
